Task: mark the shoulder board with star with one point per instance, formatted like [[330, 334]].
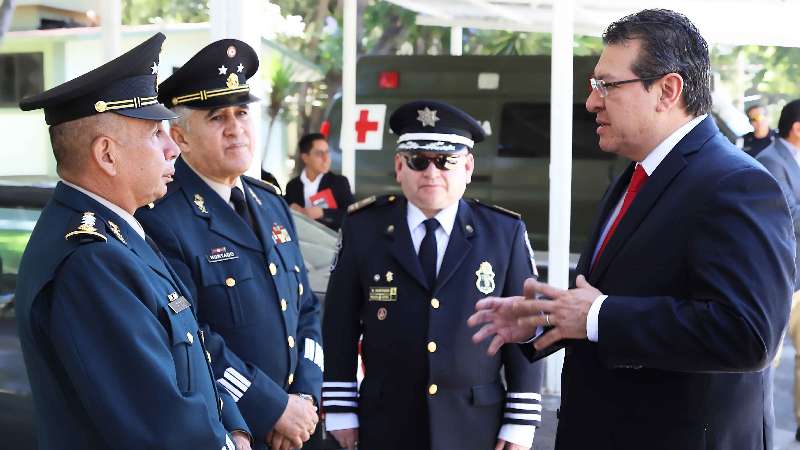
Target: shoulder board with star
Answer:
[[265, 185], [370, 202], [85, 230], [500, 209]]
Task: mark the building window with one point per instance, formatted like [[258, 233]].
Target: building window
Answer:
[[21, 74], [525, 132]]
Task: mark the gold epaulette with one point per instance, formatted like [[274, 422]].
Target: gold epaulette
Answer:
[[86, 231], [371, 201], [505, 211]]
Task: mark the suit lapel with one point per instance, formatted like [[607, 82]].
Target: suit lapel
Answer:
[[459, 244], [402, 249], [206, 203], [258, 209], [647, 197]]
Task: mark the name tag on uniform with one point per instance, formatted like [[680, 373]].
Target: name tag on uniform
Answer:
[[382, 294], [179, 304], [220, 254]]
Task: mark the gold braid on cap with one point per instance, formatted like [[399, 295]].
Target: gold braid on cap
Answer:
[[135, 102], [233, 87]]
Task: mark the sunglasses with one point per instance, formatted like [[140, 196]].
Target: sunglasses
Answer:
[[419, 163]]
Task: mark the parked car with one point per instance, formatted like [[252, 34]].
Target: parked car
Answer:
[[21, 202]]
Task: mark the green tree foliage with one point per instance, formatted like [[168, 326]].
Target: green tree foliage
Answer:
[[140, 12]]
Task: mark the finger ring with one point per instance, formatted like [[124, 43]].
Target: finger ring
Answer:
[[547, 320]]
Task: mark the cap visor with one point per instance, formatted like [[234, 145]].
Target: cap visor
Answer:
[[151, 112]]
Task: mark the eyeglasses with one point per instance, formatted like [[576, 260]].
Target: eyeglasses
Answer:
[[602, 86], [755, 118], [419, 163]]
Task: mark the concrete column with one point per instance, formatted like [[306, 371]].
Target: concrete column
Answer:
[[349, 92], [243, 20], [111, 28], [560, 163], [456, 41]]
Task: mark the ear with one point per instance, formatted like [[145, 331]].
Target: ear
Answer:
[[795, 130], [103, 154], [399, 166], [469, 166], [304, 158], [671, 92], [179, 136]]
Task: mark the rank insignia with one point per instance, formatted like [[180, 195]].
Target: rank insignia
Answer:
[[201, 204], [253, 194], [485, 282], [376, 277], [427, 117], [389, 276], [382, 294], [280, 235], [382, 313], [116, 232], [86, 229]]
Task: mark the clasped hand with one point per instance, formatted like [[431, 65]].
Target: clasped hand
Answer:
[[516, 319]]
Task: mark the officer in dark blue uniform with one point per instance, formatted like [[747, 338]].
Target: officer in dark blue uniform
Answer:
[[408, 274], [113, 351], [233, 242]]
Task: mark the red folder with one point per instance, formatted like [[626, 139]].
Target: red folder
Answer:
[[324, 199]]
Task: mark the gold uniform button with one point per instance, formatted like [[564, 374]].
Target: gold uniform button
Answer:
[[291, 378], [296, 269], [273, 269], [435, 303], [284, 305], [291, 342], [189, 337], [433, 389], [300, 289], [431, 346], [230, 282]]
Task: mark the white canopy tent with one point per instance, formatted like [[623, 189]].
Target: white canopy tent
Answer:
[[733, 22]]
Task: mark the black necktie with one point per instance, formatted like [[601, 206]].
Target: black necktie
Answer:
[[240, 205], [427, 251]]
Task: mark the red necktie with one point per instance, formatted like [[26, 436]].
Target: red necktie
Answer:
[[637, 181]]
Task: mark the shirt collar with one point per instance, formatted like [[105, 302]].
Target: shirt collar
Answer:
[[222, 189], [124, 215], [795, 151], [446, 217], [304, 178], [661, 151]]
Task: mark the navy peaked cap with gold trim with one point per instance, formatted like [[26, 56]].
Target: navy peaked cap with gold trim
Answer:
[[126, 85], [215, 77], [432, 126]]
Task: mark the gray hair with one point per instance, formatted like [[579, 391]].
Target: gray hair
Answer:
[[182, 121]]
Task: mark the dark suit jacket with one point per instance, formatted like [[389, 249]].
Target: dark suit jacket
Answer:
[[780, 162], [699, 275], [487, 255], [338, 184]]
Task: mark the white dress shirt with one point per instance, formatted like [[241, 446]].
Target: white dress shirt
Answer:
[[309, 187], [222, 189], [124, 215], [446, 218], [649, 164]]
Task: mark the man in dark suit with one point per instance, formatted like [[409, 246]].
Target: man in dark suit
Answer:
[[114, 353], [233, 242], [782, 159], [317, 192], [409, 272], [685, 287]]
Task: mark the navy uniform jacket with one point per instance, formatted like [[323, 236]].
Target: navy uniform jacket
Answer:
[[252, 292], [699, 275], [340, 188], [111, 364], [426, 385]]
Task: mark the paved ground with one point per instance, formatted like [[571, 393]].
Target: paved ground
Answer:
[[784, 409]]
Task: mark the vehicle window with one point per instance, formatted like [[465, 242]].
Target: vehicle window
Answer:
[[525, 132], [317, 242], [16, 225]]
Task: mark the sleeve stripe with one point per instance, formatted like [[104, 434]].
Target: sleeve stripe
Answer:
[[524, 406], [536, 417], [339, 384], [339, 403], [339, 394], [231, 390], [229, 443], [309, 348], [234, 376], [313, 352], [319, 357], [525, 395]]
